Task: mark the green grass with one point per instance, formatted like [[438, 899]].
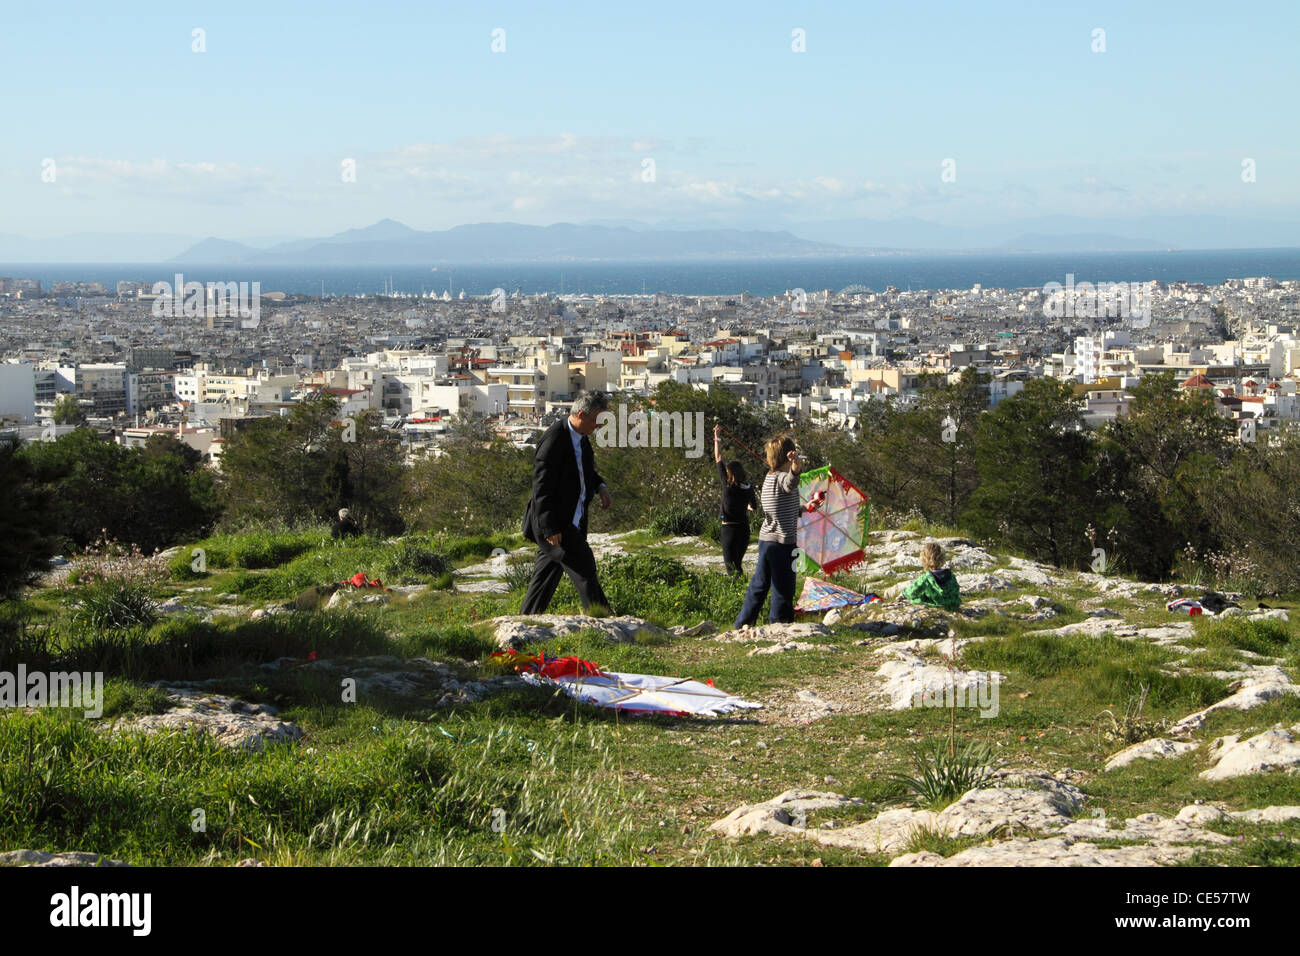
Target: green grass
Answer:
[[1269, 637], [249, 550], [399, 794], [392, 780], [184, 648]]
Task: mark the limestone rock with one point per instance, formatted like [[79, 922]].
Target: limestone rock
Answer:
[[777, 633], [1267, 815], [698, 630], [1199, 814], [783, 647], [230, 721], [482, 586], [779, 814], [890, 618], [1092, 627], [909, 680], [971, 583], [1275, 749], [1252, 693], [516, 631], [1151, 749], [348, 597], [41, 858], [1053, 851]]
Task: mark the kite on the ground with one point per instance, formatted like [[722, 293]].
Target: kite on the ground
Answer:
[[820, 595], [833, 516], [360, 580], [633, 693]]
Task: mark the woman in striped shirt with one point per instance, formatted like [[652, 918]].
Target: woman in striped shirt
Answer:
[[776, 541]]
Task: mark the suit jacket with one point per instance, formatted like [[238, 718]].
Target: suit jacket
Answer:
[[556, 486]]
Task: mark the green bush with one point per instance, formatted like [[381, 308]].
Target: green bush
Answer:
[[661, 590], [114, 603], [679, 521], [518, 573], [412, 558]]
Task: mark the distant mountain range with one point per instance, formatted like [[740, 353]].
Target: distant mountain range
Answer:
[[391, 243]]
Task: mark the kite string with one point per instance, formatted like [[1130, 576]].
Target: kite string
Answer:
[[761, 461]]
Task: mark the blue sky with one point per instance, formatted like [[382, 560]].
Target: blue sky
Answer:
[[247, 138]]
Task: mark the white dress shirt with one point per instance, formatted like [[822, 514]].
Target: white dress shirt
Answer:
[[582, 478]]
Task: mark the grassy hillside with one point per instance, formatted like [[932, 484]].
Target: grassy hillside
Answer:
[[457, 764]]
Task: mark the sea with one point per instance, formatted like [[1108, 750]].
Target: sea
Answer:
[[709, 277]]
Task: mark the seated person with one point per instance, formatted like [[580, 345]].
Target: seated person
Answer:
[[344, 527], [937, 587]]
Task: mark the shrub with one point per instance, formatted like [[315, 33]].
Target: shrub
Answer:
[[250, 550], [115, 603], [678, 521], [942, 775], [518, 573], [661, 590], [410, 557]]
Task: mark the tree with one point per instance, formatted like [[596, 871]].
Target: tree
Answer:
[[67, 411], [934, 443], [1254, 510], [365, 474], [301, 468], [27, 539], [1035, 474], [276, 469], [471, 487], [151, 497], [1156, 464]]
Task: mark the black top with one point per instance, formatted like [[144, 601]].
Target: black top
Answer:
[[736, 499], [556, 484], [344, 528]]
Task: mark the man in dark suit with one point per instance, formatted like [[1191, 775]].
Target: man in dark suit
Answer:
[[565, 482]]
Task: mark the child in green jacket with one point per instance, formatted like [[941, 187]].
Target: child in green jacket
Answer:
[[937, 587]]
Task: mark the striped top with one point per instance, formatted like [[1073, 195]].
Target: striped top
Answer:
[[780, 507]]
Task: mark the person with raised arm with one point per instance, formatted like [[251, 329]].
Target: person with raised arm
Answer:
[[738, 499]]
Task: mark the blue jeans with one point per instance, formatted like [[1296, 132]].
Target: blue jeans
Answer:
[[774, 570]]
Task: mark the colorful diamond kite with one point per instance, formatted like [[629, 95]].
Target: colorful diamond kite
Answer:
[[833, 516]]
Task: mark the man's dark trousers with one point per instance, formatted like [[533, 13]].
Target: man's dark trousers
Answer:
[[573, 557]]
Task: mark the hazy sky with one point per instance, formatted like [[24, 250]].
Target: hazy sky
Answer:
[[248, 138]]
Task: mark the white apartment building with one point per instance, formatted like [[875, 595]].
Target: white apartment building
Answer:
[[1090, 353]]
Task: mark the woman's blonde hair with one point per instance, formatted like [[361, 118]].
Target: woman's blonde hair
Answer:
[[932, 557], [778, 450]]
